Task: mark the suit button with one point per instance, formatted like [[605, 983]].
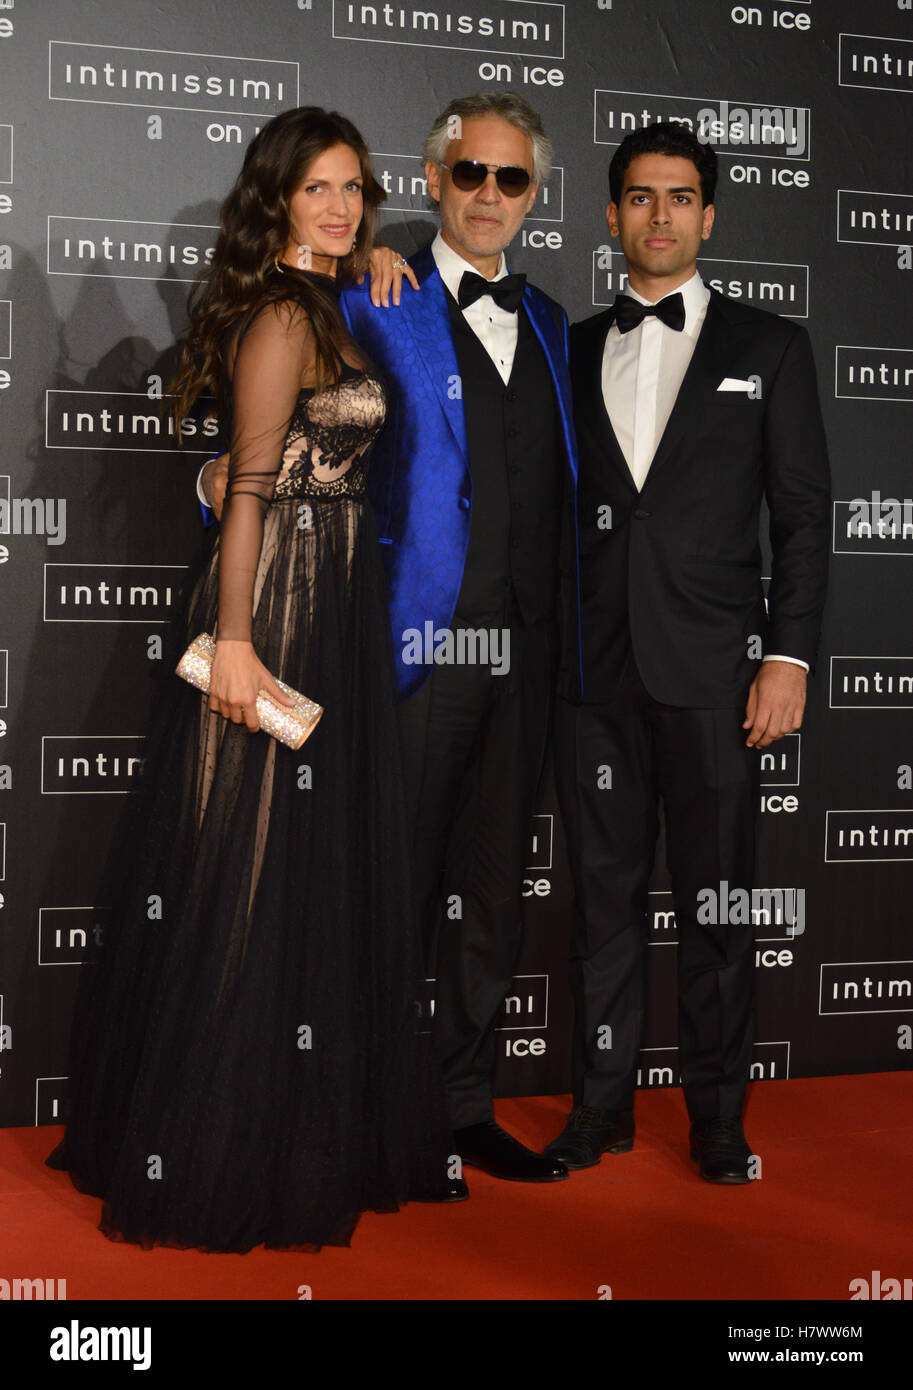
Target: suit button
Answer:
[[515, 468], [516, 544], [464, 503], [510, 395], [641, 514]]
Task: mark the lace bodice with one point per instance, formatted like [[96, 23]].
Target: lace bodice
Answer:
[[285, 443], [329, 435]]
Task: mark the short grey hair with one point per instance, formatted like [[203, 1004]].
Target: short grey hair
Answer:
[[511, 107]]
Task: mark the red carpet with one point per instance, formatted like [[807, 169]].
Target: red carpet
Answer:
[[834, 1203]]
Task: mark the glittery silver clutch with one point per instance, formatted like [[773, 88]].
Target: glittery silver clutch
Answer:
[[289, 725]]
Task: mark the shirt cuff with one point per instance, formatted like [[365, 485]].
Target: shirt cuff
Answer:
[[793, 660], [209, 515]]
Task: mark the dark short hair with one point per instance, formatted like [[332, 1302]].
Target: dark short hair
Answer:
[[669, 138]]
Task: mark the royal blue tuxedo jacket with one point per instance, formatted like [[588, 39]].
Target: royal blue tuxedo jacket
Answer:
[[419, 477]]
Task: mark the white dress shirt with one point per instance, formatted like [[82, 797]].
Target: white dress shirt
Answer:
[[495, 328], [642, 374]]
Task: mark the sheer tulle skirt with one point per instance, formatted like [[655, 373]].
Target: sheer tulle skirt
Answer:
[[246, 1065]]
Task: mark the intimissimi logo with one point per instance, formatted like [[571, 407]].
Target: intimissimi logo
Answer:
[[732, 128], [871, 682], [128, 250], [853, 837], [50, 1100], [657, 1067], [81, 764], [480, 26], [114, 75], [403, 179], [868, 60], [866, 987], [525, 1006], [880, 526], [874, 219], [98, 593], [780, 287], [71, 935], [780, 763], [873, 373], [122, 421]]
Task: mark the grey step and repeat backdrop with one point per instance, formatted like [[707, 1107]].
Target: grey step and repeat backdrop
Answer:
[[121, 128]]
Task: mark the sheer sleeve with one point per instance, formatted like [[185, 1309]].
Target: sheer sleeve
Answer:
[[265, 384]]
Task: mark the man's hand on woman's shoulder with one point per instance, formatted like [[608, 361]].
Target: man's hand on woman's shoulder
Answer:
[[214, 481]]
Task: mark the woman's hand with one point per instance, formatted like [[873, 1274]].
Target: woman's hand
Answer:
[[238, 676], [386, 268]]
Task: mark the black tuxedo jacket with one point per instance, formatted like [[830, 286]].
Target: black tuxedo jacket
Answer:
[[674, 572]]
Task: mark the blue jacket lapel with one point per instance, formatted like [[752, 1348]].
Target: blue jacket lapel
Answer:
[[428, 320], [555, 350]]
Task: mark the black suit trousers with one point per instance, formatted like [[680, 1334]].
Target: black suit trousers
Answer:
[[614, 762], [473, 746]]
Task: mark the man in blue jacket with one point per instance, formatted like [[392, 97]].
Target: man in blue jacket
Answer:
[[473, 481]]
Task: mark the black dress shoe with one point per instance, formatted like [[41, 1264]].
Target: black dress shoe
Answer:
[[591, 1132], [720, 1146], [491, 1148]]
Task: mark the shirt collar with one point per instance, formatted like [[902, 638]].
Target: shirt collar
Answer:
[[452, 266], [695, 294]]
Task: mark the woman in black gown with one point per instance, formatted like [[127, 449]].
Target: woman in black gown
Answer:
[[246, 1065]]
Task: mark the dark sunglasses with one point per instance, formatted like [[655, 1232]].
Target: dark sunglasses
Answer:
[[469, 174]]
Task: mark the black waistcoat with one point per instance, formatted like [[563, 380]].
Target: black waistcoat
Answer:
[[516, 462]]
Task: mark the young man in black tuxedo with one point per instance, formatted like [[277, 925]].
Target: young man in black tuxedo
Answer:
[[689, 407]]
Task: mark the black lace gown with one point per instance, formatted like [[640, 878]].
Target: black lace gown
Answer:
[[246, 1064]]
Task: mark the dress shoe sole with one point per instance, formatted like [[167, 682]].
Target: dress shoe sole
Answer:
[[624, 1146], [574, 1167], [511, 1177], [724, 1179]]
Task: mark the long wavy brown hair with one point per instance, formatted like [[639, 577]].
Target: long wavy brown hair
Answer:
[[254, 229]]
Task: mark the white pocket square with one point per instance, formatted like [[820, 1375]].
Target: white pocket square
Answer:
[[732, 383]]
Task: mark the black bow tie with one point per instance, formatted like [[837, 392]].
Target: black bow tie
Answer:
[[629, 312], [508, 291]]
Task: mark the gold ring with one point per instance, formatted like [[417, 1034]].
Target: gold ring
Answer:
[[399, 263]]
